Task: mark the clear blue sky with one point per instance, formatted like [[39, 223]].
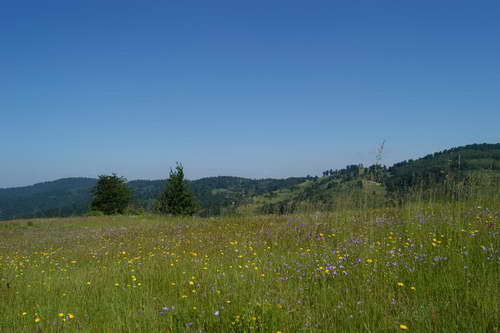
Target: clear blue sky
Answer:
[[244, 88]]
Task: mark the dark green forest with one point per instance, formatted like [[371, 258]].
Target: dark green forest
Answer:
[[450, 174], [72, 196]]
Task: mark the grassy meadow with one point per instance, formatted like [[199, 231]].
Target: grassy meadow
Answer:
[[422, 268]]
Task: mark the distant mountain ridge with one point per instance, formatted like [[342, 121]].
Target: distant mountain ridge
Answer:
[[71, 196], [63, 197], [225, 195]]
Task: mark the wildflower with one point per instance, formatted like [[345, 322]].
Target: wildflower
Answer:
[[71, 316], [38, 319], [403, 327], [400, 284], [24, 313], [413, 288], [216, 313], [60, 314]]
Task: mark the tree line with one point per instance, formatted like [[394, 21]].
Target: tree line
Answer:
[[112, 195]]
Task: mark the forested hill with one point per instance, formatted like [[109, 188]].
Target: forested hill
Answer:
[[71, 196], [354, 185], [475, 167], [63, 197], [456, 162]]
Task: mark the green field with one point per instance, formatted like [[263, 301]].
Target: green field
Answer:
[[422, 268]]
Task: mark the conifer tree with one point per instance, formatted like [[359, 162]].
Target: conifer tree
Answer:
[[111, 195], [176, 199]]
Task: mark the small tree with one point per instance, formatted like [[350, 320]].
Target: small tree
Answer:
[[111, 195], [176, 199]]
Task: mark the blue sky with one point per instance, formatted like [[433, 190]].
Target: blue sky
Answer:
[[243, 88]]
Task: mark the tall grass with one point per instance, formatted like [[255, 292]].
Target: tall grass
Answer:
[[425, 267]]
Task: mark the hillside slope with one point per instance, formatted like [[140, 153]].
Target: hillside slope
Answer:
[[63, 197], [71, 196], [475, 166], [472, 167]]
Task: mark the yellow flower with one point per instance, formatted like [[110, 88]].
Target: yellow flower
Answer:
[[37, 319], [71, 316], [403, 327], [60, 314], [401, 284], [24, 313], [413, 288]]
